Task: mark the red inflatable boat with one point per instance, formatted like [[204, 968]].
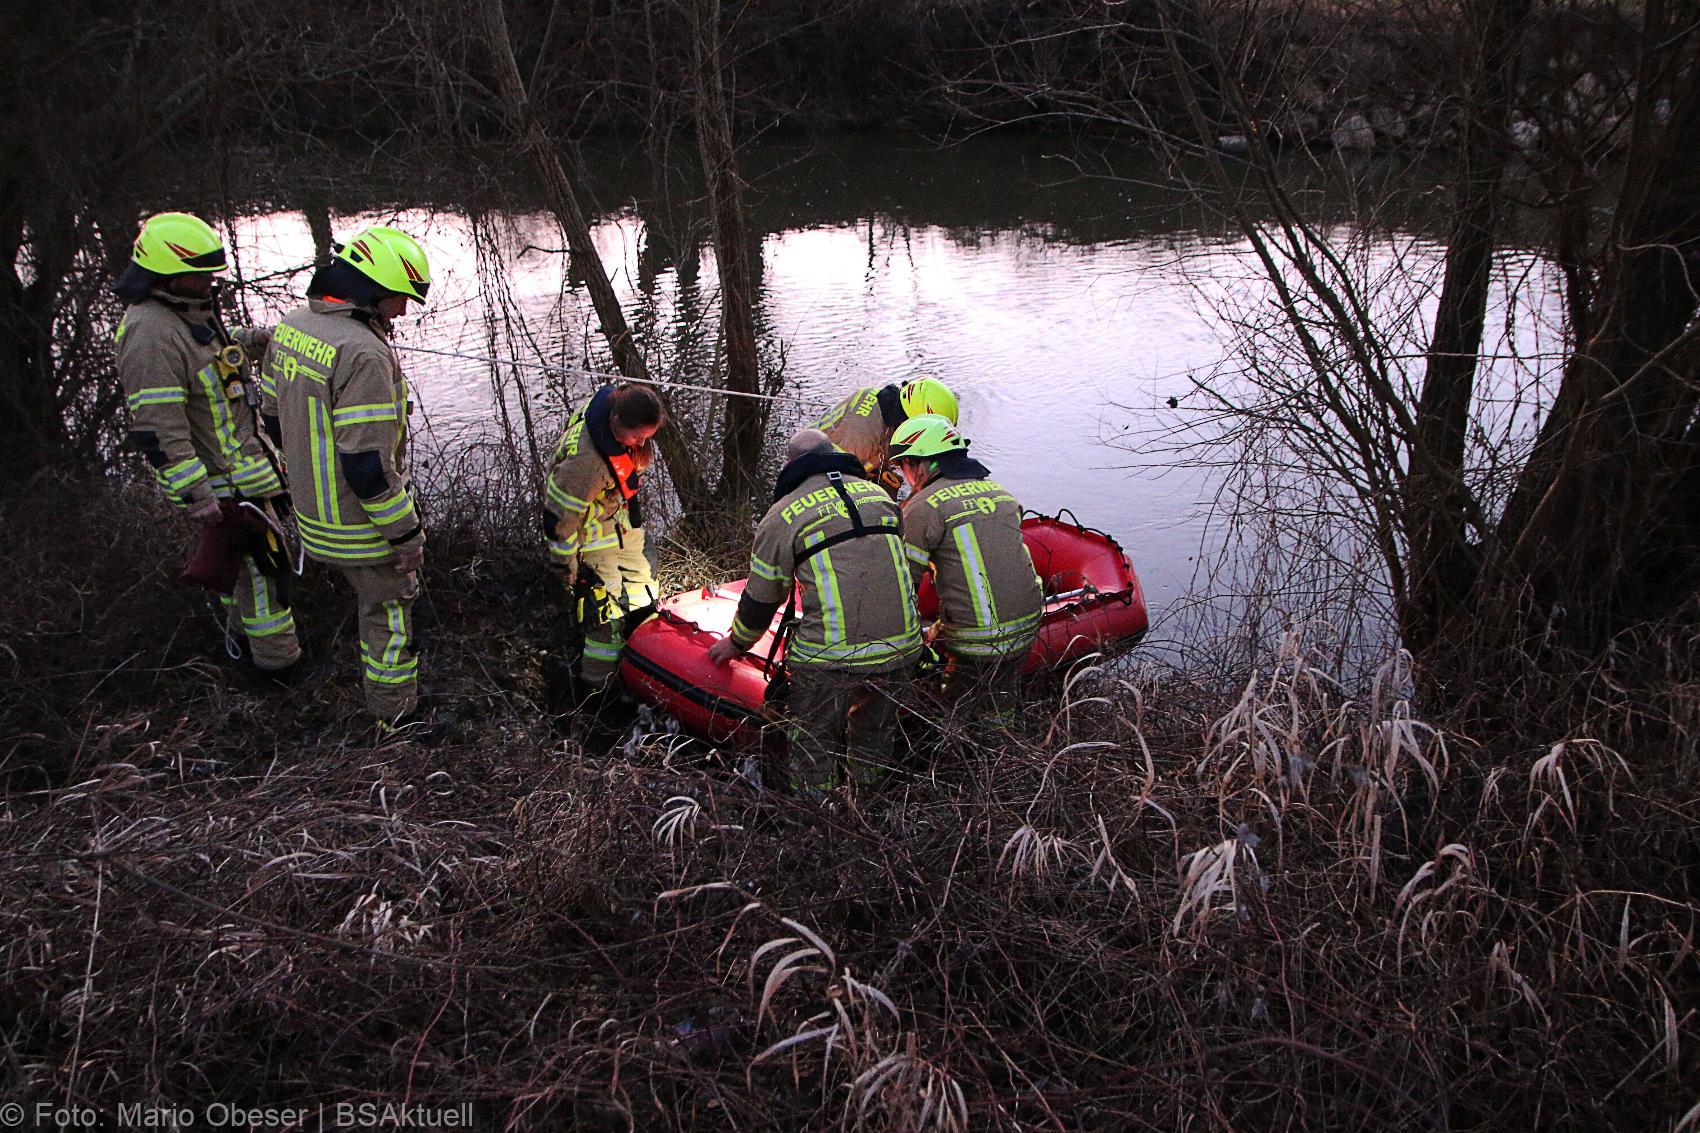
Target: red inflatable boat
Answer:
[[1092, 600]]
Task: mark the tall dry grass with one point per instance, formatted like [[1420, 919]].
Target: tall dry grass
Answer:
[[1166, 899]]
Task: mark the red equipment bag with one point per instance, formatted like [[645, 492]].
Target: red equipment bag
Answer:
[[218, 555]]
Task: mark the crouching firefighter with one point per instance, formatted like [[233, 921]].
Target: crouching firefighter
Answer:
[[965, 529], [862, 423], [335, 396], [593, 525], [835, 535], [192, 415]]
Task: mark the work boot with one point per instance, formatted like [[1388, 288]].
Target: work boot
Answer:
[[426, 723], [411, 728], [562, 689], [301, 673], [603, 715]]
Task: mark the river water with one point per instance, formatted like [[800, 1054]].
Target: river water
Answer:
[[1066, 309]]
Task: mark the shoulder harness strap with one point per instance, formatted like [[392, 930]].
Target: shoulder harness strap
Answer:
[[788, 623]]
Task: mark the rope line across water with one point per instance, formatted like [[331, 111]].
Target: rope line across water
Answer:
[[579, 370], [613, 376]]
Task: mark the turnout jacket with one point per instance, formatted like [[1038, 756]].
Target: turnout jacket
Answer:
[[858, 600], [337, 392], [966, 530], [195, 428], [586, 504], [861, 425]]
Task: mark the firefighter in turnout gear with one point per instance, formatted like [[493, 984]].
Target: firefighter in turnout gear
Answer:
[[965, 529], [593, 524], [335, 393], [192, 417], [861, 424], [835, 534]]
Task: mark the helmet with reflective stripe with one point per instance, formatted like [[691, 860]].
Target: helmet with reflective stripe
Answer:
[[928, 395], [172, 243], [924, 437], [390, 258]]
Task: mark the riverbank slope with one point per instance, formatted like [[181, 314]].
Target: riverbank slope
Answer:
[[1205, 899]]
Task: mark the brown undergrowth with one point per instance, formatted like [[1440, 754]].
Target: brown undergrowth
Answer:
[[1165, 900]]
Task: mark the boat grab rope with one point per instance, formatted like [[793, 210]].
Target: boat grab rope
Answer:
[[606, 375], [1074, 521], [1090, 596]]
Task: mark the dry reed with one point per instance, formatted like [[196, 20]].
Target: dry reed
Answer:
[[1165, 900]]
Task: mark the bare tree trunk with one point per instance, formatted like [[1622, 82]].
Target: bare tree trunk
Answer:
[[563, 202], [733, 254], [661, 124], [32, 429], [317, 212], [1602, 525], [1441, 563]]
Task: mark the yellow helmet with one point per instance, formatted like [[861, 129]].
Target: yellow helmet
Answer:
[[390, 258], [924, 437], [927, 395], [171, 243]]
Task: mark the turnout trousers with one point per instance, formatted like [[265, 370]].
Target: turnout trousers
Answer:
[[985, 692], [263, 617], [625, 573], [839, 723], [389, 670]]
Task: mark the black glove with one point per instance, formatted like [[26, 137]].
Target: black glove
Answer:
[[591, 605]]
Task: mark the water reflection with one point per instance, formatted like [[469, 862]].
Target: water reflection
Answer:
[[1065, 314]]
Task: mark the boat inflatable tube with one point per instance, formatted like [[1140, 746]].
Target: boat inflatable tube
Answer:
[[1092, 601]]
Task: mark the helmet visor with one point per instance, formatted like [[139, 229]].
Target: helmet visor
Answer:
[[207, 261]]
